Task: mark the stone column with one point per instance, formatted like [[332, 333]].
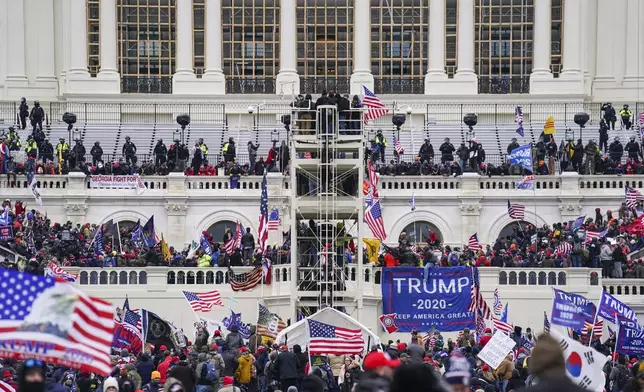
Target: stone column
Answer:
[[436, 47], [15, 57], [214, 73], [468, 81], [591, 45], [108, 74], [176, 207], [572, 41], [288, 81], [361, 48], [46, 74], [184, 77], [605, 38], [78, 40], [634, 31], [541, 40]]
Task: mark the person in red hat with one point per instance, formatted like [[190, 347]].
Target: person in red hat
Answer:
[[486, 337], [7, 378], [379, 370], [228, 385]]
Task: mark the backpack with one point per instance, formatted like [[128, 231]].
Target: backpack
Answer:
[[210, 372]]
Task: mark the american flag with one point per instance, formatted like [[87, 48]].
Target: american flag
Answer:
[[632, 197], [518, 119], [498, 306], [274, 220], [473, 242], [480, 324], [373, 179], [597, 329], [502, 326], [4, 387], [546, 323], [329, 339], [265, 321], [516, 211], [126, 306], [245, 280], [55, 271], [132, 322], [203, 302], [564, 248], [397, 146], [428, 337], [476, 298], [375, 108], [37, 311], [262, 230], [373, 217], [590, 234], [641, 120]]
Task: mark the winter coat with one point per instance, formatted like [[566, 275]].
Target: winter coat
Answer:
[[233, 341], [336, 362], [145, 367], [504, 371], [286, 365], [244, 371], [183, 373]]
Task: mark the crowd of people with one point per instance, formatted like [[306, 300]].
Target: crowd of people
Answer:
[[215, 362]]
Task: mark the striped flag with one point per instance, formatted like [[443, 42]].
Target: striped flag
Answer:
[[373, 217], [397, 146], [641, 120], [373, 179], [4, 387], [274, 220], [203, 302], [126, 306], [246, 280], [38, 311], [476, 298], [590, 234], [546, 323], [564, 248], [480, 324], [498, 306], [597, 329], [473, 242], [329, 339], [518, 119], [375, 108], [262, 229], [502, 326], [57, 272], [269, 324], [516, 211], [632, 197]]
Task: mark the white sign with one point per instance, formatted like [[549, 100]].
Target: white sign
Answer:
[[118, 182], [497, 349]]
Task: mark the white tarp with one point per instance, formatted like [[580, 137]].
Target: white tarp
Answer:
[[298, 332]]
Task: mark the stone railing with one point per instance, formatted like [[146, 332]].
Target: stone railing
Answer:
[[628, 287]]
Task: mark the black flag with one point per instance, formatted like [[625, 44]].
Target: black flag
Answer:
[[157, 331]]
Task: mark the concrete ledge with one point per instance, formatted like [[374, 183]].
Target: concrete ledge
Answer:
[[436, 84], [206, 85], [359, 79]]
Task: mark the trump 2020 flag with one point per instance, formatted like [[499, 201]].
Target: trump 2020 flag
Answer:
[[610, 308], [522, 156], [583, 364], [55, 322], [630, 337]]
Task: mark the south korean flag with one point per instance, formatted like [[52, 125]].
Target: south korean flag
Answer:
[[583, 364]]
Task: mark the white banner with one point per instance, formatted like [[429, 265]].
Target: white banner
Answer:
[[118, 182], [497, 349]]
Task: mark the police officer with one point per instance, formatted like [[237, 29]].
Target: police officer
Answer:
[[228, 149], [197, 160], [62, 150], [609, 114], [513, 144], [603, 135], [633, 149], [97, 153], [36, 116], [204, 150], [626, 115], [13, 140], [426, 152], [129, 151], [447, 151], [78, 154], [160, 152], [382, 144], [616, 151], [46, 151], [24, 112], [31, 148]]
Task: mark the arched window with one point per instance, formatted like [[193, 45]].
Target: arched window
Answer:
[[532, 278], [561, 279], [93, 277], [503, 278], [552, 279], [83, 278], [218, 229], [513, 278], [103, 278], [419, 231], [510, 227], [133, 277], [143, 277]]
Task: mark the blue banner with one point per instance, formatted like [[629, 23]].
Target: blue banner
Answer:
[[441, 301], [565, 311], [630, 338], [125, 338], [522, 156], [610, 307], [6, 233]]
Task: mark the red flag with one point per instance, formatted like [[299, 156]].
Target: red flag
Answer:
[[388, 322], [637, 227]]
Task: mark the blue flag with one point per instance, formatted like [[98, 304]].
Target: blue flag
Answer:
[[630, 337], [98, 242], [566, 311], [205, 245], [136, 234], [149, 233], [578, 222], [610, 308], [504, 316], [235, 319], [522, 156]]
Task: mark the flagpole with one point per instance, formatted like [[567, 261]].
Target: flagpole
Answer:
[[592, 330]]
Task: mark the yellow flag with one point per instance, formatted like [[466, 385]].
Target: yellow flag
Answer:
[[165, 251], [373, 247], [549, 127]]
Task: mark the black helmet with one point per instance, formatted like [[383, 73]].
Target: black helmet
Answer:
[[127, 138], [97, 143], [23, 99], [230, 139], [625, 106], [160, 141], [36, 103]]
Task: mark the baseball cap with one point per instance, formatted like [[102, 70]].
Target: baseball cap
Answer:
[[163, 347], [377, 359], [155, 374], [228, 380]]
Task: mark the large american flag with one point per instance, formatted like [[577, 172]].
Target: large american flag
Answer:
[[57, 318], [329, 339], [274, 220], [476, 298], [516, 211], [473, 242], [234, 242], [397, 146], [57, 272], [632, 197], [132, 322], [590, 234], [498, 306], [262, 230], [246, 280], [564, 248], [203, 302], [375, 108], [502, 326], [4, 387], [373, 217], [546, 322]]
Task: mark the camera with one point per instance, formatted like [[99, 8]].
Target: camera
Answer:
[[470, 119], [398, 120], [183, 120], [581, 119]]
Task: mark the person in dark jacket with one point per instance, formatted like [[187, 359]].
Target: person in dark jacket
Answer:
[[129, 151], [197, 159], [302, 360], [234, 341], [229, 363], [343, 107], [153, 385], [603, 135], [609, 114], [183, 373], [145, 367], [160, 152], [633, 149], [286, 367], [548, 364], [426, 153], [23, 112], [616, 151], [36, 116], [97, 153], [46, 151]]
